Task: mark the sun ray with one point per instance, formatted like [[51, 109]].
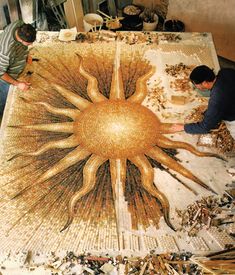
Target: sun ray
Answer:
[[92, 87], [165, 142], [118, 172], [76, 100], [183, 183], [74, 114], [165, 128], [34, 205], [116, 91], [113, 172], [70, 159], [108, 124], [89, 179], [63, 127], [58, 144], [117, 87], [141, 87], [160, 156], [147, 176], [123, 172]]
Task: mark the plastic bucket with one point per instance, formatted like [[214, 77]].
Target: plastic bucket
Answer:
[[151, 26], [174, 26]]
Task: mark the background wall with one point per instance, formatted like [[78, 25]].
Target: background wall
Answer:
[[2, 16], [217, 17], [161, 5]]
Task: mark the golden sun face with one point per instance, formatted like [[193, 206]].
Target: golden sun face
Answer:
[[114, 129]]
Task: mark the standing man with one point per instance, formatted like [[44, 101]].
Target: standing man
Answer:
[[14, 42], [221, 105]]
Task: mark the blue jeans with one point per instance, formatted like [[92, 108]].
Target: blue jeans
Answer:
[[4, 88]]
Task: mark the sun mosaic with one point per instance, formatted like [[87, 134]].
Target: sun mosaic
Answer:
[[83, 128]]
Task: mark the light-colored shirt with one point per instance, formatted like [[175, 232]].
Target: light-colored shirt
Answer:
[[13, 54]]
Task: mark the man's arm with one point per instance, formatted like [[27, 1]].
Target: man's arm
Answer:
[[29, 59], [212, 116], [170, 128], [177, 127], [22, 85], [5, 52], [202, 127]]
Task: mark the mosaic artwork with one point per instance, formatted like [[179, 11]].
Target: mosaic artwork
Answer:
[[81, 148]]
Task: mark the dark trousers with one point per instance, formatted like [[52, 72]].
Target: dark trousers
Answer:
[[4, 88]]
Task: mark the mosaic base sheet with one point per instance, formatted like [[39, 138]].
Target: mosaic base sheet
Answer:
[[49, 154]]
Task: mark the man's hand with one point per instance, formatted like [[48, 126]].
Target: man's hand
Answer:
[[176, 128], [29, 59], [23, 86]]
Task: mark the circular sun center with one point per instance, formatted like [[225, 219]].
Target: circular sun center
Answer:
[[116, 129]]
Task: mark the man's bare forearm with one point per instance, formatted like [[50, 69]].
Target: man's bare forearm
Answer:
[[170, 128], [22, 85], [6, 77]]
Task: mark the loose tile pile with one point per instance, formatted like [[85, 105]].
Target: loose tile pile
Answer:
[[178, 69], [180, 72], [70, 263], [219, 138], [171, 37], [196, 114], [208, 213], [156, 98]]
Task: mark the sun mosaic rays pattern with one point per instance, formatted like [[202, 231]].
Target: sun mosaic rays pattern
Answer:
[[79, 131]]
